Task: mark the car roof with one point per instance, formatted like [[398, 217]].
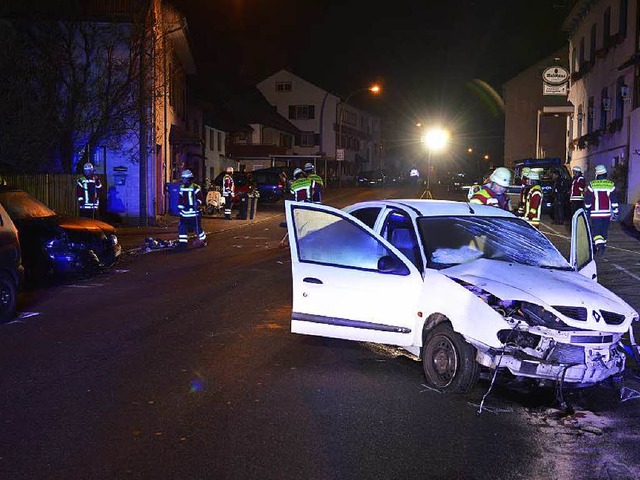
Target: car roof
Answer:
[[434, 208]]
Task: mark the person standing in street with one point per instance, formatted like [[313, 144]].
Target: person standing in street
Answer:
[[524, 189], [533, 202], [576, 196], [318, 183], [601, 201], [228, 190], [560, 191], [87, 189], [190, 200], [494, 193], [301, 187]]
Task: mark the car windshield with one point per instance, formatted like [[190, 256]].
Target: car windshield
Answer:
[[22, 206], [452, 241]]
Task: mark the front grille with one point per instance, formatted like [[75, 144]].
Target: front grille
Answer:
[[612, 318], [564, 353], [575, 313]]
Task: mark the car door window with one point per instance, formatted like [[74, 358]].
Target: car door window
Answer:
[[329, 239], [368, 216], [398, 230]]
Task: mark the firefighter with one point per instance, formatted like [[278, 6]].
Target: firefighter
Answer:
[[601, 201], [494, 192], [87, 192], [524, 189], [533, 201], [318, 183], [576, 196], [190, 200], [301, 187], [228, 190]]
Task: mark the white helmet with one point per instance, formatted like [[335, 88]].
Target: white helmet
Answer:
[[501, 176], [308, 167], [525, 172], [601, 170], [533, 176], [577, 169], [229, 170], [297, 172], [87, 168], [187, 174]]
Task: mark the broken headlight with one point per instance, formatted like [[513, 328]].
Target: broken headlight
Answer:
[[535, 315], [519, 338]]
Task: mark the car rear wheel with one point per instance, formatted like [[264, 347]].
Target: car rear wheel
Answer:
[[448, 361], [8, 297]]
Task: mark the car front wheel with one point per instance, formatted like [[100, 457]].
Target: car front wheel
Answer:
[[8, 297], [448, 361]]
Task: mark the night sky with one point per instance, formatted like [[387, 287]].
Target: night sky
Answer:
[[425, 53]]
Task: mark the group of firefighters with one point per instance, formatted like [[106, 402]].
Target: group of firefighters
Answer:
[[598, 198]]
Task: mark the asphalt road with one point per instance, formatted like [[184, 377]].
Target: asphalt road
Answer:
[[180, 365]]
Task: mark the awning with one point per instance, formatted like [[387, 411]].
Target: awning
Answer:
[[180, 136]]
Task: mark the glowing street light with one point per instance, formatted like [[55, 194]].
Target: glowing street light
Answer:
[[470, 150], [435, 139]]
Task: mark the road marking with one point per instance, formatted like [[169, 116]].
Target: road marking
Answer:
[[89, 285], [27, 315], [622, 269]]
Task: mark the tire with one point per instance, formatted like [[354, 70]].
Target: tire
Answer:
[[209, 210], [448, 361], [8, 297]]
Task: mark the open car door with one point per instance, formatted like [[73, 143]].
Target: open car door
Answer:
[[581, 257], [348, 282]]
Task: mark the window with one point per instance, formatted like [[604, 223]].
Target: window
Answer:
[[582, 51], [286, 140], [283, 86], [211, 140], [592, 43], [302, 112], [398, 230], [619, 98], [580, 119], [350, 245], [605, 106], [219, 141], [367, 215], [574, 60], [307, 139], [606, 27], [590, 114], [622, 19]]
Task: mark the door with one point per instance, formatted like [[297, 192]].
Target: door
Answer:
[[581, 257], [348, 282]]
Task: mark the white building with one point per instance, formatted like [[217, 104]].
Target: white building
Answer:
[[603, 56]]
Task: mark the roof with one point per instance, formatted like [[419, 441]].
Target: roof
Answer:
[[435, 208]]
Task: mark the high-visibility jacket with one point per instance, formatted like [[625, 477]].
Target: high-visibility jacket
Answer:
[[189, 200], [228, 187], [87, 191], [601, 199], [318, 186], [486, 196], [533, 205], [524, 191], [302, 189], [577, 188]]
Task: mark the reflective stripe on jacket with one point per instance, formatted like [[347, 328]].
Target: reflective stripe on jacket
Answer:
[[228, 186], [533, 205], [189, 200], [577, 188], [302, 189], [486, 196], [601, 198], [87, 191]]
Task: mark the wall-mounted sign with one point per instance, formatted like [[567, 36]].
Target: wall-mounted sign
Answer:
[[340, 154], [555, 75], [554, 89]]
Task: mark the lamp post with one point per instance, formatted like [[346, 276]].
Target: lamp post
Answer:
[[435, 139], [375, 89]]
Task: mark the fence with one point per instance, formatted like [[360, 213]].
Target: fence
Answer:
[[57, 190]]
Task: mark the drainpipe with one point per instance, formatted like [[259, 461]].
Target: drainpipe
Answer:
[[324, 101]]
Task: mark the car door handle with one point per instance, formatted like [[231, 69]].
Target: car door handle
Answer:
[[312, 280]]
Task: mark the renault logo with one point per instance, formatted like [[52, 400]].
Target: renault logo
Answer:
[[596, 315]]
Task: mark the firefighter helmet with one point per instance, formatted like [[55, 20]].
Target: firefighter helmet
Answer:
[[501, 176], [601, 170], [525, 172], [297, 172], [309, 167], [229, 169], [87, 168], [187, 174], [577, 169]]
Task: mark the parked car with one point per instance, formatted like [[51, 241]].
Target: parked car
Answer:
[[272, 183], [11, 270], [58, 244], [243, 184], [545, 168], [466, 288], [373, 178]]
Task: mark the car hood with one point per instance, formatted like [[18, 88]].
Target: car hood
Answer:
[[79, 225], [547, 288]]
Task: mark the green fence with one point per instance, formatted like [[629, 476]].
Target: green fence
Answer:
[[57, 190]]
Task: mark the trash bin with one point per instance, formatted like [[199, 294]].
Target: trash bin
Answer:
[[252, 207], [243, 206], [173, 190]]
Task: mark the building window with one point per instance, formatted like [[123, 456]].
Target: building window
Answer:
[[590, 114], [606, 27], [581, 51], [592, 43], [622, 20], [286, 140], [211, 142], [574, 59], [580, 120], [307, 139], [350, 118], [619, 98], [283, 86], [219, 141], [302, 112], [605, 106]]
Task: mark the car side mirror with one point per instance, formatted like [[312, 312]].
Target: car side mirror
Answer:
[[389, 264]]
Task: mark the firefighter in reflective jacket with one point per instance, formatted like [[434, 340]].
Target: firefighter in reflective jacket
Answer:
[[318, 183], [494, 192], [301, 187], [87, 192], [601, 202], [189, 202], [524, 189], [228, 189], [533, 202], [576, 196]]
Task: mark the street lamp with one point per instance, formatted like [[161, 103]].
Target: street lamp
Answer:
[[375, 89], [436, 139]]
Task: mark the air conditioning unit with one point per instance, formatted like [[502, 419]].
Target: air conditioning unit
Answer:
[[606, 104]]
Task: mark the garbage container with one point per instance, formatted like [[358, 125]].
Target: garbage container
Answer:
[[252, 207], [173, 190], [243, 205]]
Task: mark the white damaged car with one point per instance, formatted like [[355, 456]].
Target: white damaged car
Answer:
[[465, 287]]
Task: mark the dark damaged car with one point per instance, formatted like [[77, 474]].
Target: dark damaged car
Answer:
[[55, 244]]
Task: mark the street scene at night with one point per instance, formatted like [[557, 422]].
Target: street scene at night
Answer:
[[320, 240]]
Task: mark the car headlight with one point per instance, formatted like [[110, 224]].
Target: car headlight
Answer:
[[535, 315], [113, 240]]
